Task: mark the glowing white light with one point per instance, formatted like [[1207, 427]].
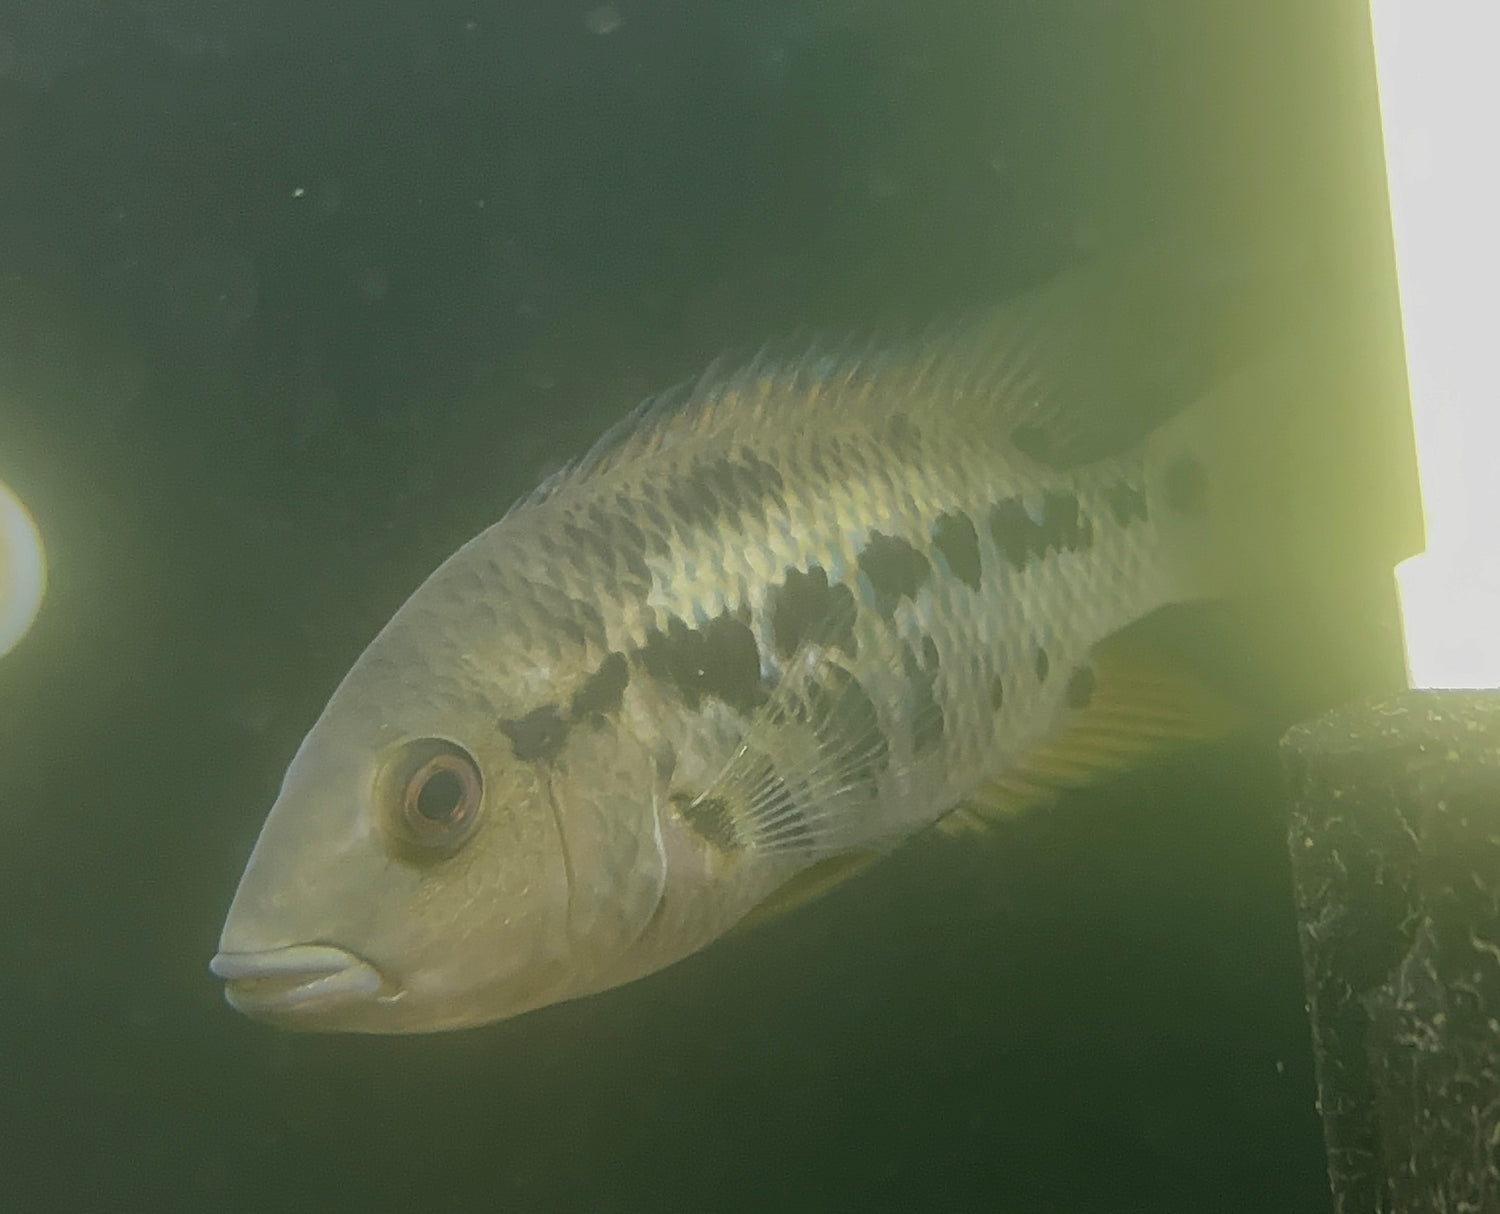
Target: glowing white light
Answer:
[[1440, 107], [23, 570]]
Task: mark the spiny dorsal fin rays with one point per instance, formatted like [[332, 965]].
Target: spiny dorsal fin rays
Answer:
[[1074, 371], [1087, 365], [1141, 707], [774, 379]]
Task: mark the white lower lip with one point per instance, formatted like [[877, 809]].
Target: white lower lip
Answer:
[[300, 979]]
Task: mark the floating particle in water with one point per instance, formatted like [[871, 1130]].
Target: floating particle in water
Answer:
[[372, 284], [602, 19], [211, 294]]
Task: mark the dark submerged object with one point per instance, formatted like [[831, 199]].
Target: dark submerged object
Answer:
[[1395, 840]]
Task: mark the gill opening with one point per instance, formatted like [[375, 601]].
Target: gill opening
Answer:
[[660, 900], [567, 856]]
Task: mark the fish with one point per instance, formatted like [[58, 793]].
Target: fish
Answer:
[[23, 570], [774, 624]]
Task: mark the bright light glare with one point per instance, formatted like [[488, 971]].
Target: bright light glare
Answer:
[[1440, 106], [23, 570]]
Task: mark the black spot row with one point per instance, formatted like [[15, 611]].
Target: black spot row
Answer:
[[953, 535], [896, 570], [1021, 538], [719, 661], [1127, 504], [604, 690], [537, 736], [1081, 687], [806, 605], [540, 734]]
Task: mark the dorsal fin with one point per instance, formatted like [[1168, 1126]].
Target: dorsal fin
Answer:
[[778, 377], [1073, 371], [1096, 359]]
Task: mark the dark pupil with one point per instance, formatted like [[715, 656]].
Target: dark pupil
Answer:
[[440, 796]]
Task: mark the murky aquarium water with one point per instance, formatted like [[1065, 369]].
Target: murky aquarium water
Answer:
[[299, 296]]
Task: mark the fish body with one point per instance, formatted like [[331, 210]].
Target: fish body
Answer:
[[768, 629]]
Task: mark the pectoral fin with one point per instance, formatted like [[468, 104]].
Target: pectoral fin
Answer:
[[804, 782]]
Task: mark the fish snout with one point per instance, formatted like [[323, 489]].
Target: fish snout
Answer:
[[298, 980]]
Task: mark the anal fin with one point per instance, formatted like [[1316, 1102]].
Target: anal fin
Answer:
[[809, 884], [1143, 706]]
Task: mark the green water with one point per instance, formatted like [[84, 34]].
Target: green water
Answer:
[[296, 297]]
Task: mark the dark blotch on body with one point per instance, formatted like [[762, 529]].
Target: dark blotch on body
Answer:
[[604, 691], [1185, 484], [1043, 664], [709, 817], [1012, 531], [955, 538], [1126, 503], [1081, 687], [997, 693], [537, 736], [1020, 538], [1066, 526], [896, 570], [805, 605], [720, 660]]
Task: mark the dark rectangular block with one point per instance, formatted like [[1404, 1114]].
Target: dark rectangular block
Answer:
[[1395, 839]]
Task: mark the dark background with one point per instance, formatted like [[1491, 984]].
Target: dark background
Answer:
[[295, 297]]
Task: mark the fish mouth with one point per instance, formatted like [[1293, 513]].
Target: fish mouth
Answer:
[[299, 980]]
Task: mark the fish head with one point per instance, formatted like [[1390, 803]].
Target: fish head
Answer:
[[449, 846]]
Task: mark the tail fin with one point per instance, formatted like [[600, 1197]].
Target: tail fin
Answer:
[[1235, 478], [1270, 422], [1289, 505]]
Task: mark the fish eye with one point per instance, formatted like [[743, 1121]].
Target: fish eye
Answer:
[[441, 795]]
